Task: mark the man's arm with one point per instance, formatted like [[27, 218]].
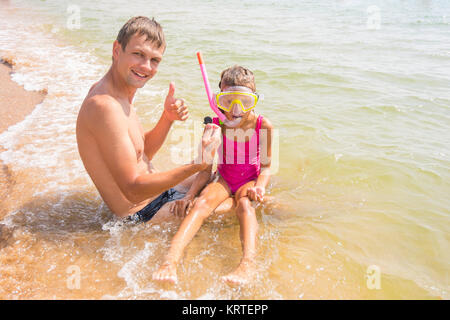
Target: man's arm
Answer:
[[155, 138], [109, 128], [174, 109], [199, 183]]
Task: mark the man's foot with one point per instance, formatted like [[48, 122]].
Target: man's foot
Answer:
[[243, 274], [166, 273]]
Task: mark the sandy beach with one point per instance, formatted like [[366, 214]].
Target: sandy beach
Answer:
[[358, 93], [16, 104]]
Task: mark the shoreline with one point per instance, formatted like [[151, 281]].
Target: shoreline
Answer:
[[15, 104]]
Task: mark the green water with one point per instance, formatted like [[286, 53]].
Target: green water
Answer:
[[362, 117]]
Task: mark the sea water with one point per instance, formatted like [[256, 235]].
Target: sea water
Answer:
[[358, 94]]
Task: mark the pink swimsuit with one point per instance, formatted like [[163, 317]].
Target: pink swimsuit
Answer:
[[243, 165]]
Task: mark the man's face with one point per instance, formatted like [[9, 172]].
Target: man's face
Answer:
[[139, 62]]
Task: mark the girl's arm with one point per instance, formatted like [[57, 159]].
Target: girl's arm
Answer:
[[258, 191]]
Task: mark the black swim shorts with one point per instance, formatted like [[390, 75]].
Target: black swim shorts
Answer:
[[146, 213]]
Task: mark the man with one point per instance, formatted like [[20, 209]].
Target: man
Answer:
[[113, 146]]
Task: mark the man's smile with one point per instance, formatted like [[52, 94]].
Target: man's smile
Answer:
[[139, 74]]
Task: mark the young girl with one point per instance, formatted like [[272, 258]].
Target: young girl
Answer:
[[243, 173]]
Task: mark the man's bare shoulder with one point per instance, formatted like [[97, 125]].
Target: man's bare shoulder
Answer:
[[98, 107], [100, 103]]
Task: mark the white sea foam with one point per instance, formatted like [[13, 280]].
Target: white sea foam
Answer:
[[327, 81], [45, 139], [132, 269]]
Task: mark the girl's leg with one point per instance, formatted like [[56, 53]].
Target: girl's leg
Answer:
[[248, 234], [204, 205]]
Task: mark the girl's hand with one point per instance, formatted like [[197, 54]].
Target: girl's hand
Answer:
[[256, 193], [180, 208]]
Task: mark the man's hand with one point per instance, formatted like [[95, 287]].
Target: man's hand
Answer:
[[211, 140], [180, 208], [174, 109], [256, 193]]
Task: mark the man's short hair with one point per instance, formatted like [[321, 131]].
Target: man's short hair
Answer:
[[237, 76], [142, 26]]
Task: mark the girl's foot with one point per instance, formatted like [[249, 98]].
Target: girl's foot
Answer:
[[243, 274]]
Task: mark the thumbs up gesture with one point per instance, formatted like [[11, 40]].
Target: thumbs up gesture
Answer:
[[174, 108]]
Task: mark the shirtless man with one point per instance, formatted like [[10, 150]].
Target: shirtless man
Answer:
[[113, 146]]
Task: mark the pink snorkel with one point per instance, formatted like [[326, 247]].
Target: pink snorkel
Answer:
[[209, 93]]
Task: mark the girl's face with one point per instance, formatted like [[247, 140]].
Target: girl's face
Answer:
[[236, 115]]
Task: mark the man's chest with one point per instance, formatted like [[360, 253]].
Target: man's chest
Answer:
[[136, 134]]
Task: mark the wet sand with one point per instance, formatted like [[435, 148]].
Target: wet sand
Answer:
[[15, 104]]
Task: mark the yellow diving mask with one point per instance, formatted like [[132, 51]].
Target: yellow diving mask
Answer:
[[237, 95]]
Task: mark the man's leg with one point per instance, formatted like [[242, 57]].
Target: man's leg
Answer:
[[248, 234], [186, 184], [214, 194], [164, 213]]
